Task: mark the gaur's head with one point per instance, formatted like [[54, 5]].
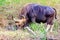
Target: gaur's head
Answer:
[[21, 21]]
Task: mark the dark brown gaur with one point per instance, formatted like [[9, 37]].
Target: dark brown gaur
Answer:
[[37, 13]]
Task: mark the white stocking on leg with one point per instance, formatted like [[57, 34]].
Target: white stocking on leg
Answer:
[[48, 27], [51, 28]]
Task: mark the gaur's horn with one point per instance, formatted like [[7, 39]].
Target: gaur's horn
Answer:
[[15, 19]]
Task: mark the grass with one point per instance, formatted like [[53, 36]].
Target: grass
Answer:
[[39, 29], [56, 25], [14, 35]]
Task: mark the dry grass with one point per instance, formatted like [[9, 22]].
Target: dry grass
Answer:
[[14, 35]]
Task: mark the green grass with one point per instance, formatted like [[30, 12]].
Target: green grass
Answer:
[[39, 29], [44, 2]]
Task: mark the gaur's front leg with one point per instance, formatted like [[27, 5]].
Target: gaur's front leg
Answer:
[[34, 20], [30, 30]]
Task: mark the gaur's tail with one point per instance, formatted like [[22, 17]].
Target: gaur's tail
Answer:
[[55, 13]]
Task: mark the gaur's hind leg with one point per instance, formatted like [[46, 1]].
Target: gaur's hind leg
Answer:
[[50, 24]]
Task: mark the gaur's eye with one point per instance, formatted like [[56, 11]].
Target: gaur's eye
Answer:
[[16, 22]]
